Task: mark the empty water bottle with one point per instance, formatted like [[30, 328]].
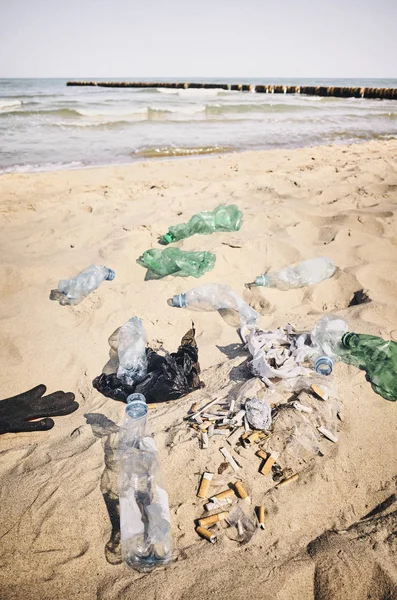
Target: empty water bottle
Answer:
[[73, 291], [177, 262], [376, 356], [214, 296], [132, 352], [326, 338], [222, 218], [145, 525], [305, 273]]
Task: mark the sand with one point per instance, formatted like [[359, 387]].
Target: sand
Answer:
[[56, 485]]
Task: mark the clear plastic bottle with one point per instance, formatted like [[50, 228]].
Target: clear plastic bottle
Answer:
[[326, 338], [145, 526], [72, 291], [132, 352], [305, 273], [214, 296]]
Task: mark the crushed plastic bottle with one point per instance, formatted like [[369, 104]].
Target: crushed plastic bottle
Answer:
[[145, 525], [132, 352], [326, 337], [173, 261], [305, 273], [214, 296], [73, 291], [222, 218], [377, 357]]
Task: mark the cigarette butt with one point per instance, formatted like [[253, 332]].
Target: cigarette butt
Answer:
[[231, 407], [206, 521], [234, 437], [301, 407], [197, 419], [211, 430], [204, 440], [262, 454], [229, 459], [253, 437], [194, 407], [242, 492], [261, 516], [217, 504], [330, 436], [206, 534], [220, 431], [246, 424], [319, 391], [267, 467], [229, 493], [205, 485], [289, 480]]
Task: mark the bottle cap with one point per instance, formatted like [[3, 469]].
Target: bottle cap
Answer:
[[323, 365], [178, 301], [168, 238], [136, 406], [261, 281], [111, 275]]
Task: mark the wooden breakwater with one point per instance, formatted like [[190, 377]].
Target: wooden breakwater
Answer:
[[337, 92]]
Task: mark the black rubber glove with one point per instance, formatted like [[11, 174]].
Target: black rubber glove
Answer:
[[16, 413]]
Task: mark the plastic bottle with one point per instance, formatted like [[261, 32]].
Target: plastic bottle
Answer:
[[132, 352], [222, 218], [326, 338], [173, 261], [305, 273], [214, 296], [146, 540], [377, 357], [73, 291]]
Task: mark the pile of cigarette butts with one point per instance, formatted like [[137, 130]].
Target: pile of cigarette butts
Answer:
[[234, 422]]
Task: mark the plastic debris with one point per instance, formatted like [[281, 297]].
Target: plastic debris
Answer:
[[222, 218], [221, 298], [305, 273], [73, 291], [258, 413], [145, 529], [277, 354], [244, 525], [377, 357], [168, 377], [173, 261], [132, 352]]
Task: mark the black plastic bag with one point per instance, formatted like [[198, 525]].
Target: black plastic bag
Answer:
[[169, 377]]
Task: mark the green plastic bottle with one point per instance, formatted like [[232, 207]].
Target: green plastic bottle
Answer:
[[222, 218], [375, 356], [173, 261]]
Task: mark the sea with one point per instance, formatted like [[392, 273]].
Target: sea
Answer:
[[45, 125]]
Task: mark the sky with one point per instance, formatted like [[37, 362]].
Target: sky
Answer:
[[198, 38]]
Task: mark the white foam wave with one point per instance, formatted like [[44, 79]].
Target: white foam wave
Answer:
[[6, 103], [111, 112], [190, 109], [189, 92]]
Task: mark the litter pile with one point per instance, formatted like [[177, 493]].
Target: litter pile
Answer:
[[280, 420], [280, 432]]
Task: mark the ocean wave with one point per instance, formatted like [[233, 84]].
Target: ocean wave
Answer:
[[38, 167], [190, 109], [7, 103], [175, 151]]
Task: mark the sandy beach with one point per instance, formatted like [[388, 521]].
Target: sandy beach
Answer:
[[338, 201]]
